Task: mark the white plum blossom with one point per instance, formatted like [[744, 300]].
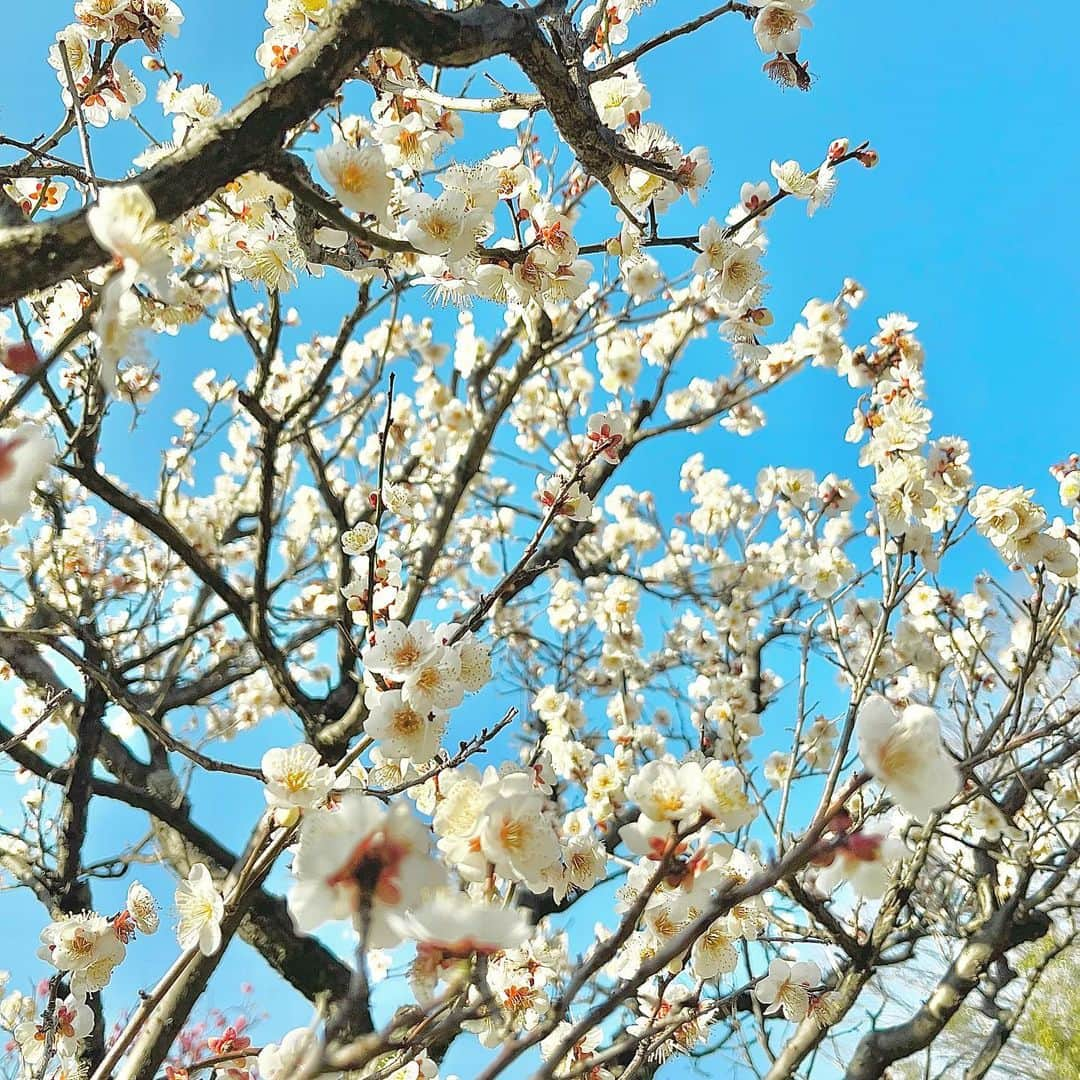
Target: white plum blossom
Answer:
[[474, 663], [124, 222], [816, 187], [619, 98], [733, 267], [714, 953], [358, 176], [724, 798], [665, 791], [517, 838], [435, 684], [201, 908], [440, 226], [865, 860], [86, 947], [456, 926], [36, 195], [564, 497], [361, 861], [904, 752], [987, 821], [72, 1021], [401, 729], [786, 988], [296, 777], [285, 1059], [607, 434], [1017, 528], [581, 1052], [360, 539], [398, 650], [25, 455], [140, 912], [779, 24]]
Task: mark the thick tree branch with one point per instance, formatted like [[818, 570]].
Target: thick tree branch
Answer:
[[34, 257], [879, 1049]]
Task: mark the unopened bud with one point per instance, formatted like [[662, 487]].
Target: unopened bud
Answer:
[[837, 149], [21, 358], [868, 158], [286, 816], [614, 247]]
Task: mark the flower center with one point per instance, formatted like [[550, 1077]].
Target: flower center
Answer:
[[407, 721], [429, 679], [513, 834], [354, 177], [898, 758], [780, 21], [296, 779], [372, 869], [407, 653]]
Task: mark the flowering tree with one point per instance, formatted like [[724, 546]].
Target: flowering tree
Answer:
[[781, 752]]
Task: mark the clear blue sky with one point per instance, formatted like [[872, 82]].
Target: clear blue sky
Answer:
[[968, 225]]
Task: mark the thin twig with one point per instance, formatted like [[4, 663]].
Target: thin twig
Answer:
[[80, 120]]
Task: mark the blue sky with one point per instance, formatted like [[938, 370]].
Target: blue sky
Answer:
[[968, 225]]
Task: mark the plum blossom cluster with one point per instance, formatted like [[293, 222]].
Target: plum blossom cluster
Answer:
[[291, 23], [85, 949], [921, 485], [414, 676], [757, 725], [88, 947], [42, 1025], [777, 27], [444, 239], [106, 87], [361, 861], [127, 20], [1018, 528]]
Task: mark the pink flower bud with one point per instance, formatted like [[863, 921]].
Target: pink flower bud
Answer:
[[837, 149]]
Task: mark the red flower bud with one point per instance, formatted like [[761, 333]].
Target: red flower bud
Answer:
[[22, 358]]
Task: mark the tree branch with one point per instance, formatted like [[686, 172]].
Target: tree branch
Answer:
[[33, 257]]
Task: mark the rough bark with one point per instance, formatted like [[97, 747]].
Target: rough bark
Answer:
[[34, 257]]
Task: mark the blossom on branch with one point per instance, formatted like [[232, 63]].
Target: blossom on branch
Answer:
[[361, 861], [201, 909], [25, 455], [905, 753]]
